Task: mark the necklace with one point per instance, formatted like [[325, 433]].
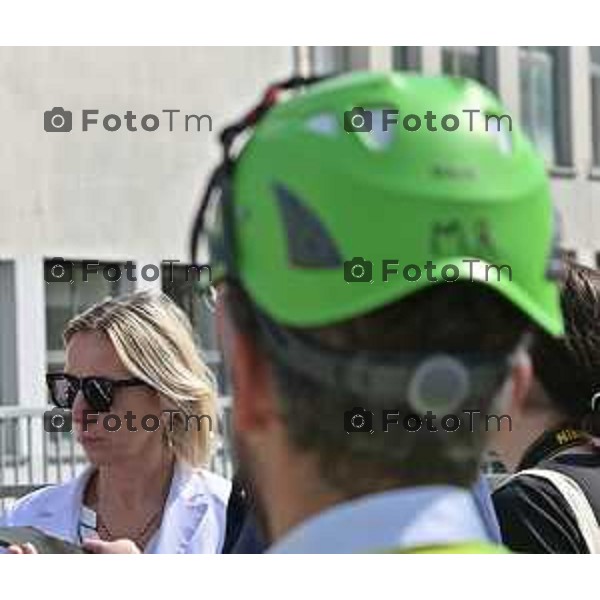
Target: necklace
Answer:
[[139, 536]]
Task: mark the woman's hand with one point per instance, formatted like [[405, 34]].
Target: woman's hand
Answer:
[[117, 547], [22, 549]]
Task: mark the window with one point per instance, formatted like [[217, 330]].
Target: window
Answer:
[[462, 60], [325, 60], [65, 300], [595, 86], [406, 58], [545, 100], [475, 62], [178, 283], [8, 339], [9, 428]]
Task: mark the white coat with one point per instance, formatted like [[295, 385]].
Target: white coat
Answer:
[[193, 520]]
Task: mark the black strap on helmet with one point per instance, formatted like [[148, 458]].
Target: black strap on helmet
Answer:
[[221, 178], [421, 380]]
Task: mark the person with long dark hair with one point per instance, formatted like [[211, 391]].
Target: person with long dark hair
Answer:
[[555, 442]]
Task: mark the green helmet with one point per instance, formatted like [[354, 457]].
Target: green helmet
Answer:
[[325, 220]]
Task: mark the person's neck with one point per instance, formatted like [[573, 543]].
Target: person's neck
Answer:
[[297, 503], [128, 484], [296, 491]]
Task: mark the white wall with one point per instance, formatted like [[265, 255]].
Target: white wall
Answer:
[[131, 195], [123, 194], [102, 195]]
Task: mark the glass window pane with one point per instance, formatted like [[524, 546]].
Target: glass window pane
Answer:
[[8, 334], [178, 284], [406, 58], [465, 61], [65, 299], [538, 98], [330, 59], [596, 119], [595, 100]]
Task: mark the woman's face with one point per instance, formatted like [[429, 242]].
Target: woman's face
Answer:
[[91, 354]]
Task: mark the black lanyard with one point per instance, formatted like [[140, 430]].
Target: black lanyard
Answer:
[[550, 443]]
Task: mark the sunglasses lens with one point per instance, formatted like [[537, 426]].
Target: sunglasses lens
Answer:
[[62, 392], [98, 393]]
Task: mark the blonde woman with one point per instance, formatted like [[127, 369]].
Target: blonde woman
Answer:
[[132, 360]]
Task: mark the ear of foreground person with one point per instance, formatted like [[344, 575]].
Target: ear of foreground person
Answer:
[[373, 286]]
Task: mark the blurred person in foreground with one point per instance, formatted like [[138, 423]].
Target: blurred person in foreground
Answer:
[[300, 222], [134, 354], [557, 433]]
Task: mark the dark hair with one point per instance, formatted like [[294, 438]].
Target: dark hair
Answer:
[[569, 368], [457, 317]]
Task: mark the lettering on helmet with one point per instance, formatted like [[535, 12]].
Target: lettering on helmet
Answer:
[[451, 238]]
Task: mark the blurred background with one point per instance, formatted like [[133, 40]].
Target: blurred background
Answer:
[[124, 196]]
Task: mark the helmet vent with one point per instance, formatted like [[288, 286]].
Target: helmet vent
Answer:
[[309, 243], [377, 133], [323, 124]]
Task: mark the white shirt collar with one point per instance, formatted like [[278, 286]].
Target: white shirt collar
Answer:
[[397, 519]]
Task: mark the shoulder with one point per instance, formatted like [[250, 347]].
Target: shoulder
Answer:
[[535, 518], [40, 505], [199, 486], [201, 513]]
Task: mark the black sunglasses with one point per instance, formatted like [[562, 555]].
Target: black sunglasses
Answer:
[[98, 391]]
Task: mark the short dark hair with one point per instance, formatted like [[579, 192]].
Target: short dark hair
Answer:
[[568, 368], [459, 317]]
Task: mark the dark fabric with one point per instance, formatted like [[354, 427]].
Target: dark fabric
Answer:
[[534, 518], [44, 544], [250, 539], [242, 534], [533, 515], [551, 443], [584, 468]]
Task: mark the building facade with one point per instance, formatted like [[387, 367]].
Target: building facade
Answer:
[[114, 195]]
